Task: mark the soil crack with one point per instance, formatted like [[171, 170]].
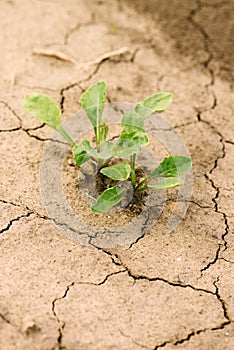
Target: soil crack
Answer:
[[117, 261], [227, 260], [140, 277], [7, 228], [55, 313], [225, 311], [199, 331], [134, 342], [215, 198], [143, 231], [27, 130], [61, 324], [77, 28], [117, 56], [225, 219], [206, 40]]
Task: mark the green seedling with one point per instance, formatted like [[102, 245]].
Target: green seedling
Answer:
[[115, 160]]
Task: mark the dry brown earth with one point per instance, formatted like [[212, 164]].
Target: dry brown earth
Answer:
[[171, 291]]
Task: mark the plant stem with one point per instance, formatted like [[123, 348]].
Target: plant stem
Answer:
[[98, 138], [139, 187], [100, 164], [133, 174], [63, 133]]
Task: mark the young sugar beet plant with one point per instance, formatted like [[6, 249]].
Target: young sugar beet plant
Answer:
[[115, 160]]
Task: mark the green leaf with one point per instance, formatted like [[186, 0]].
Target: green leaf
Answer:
[[119, 171], [108, 199], [155, 103], [93, 101], [167, 183], [172, 166], [103, 133], [43, 108], [132, 121], [129, 144], [80, 155], [106, 152]]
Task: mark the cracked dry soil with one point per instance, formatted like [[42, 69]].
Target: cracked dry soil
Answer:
[[164, 291]]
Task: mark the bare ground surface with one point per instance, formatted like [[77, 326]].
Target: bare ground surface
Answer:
[[164, 291]]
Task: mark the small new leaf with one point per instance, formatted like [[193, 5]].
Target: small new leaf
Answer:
[[103, 133], [120, 171], [132, 121], [155, 103], [108, 199], [129, 144], [93, 101], [167, 183], [106, 152], [172, 166], [43, 108], [80, 155]]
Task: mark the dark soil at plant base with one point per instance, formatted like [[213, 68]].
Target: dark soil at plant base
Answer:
[[133, 202], [171, 291], [79, 192]]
